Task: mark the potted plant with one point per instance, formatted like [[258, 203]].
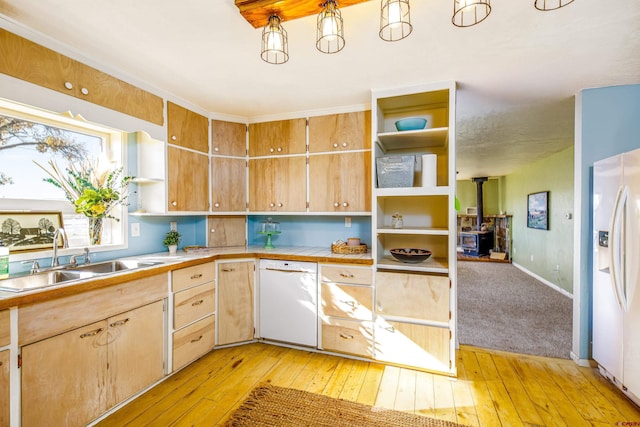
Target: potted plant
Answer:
[[171, 240]]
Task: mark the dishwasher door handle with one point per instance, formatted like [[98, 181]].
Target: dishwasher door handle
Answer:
[[286, 271]]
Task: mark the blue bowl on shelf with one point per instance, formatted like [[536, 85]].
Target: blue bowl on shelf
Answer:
[[412, 123]]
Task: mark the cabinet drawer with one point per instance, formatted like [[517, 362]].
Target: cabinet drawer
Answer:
[[192, 304], [193, 341], [5, 328], [412, 345], [347, 274], [419, 296], [348, 336], [352, 302], [192, 276]]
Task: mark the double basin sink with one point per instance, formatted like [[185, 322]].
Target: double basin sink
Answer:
[[68, 273]]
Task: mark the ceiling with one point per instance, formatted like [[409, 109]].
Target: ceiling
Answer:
[[517, 71]]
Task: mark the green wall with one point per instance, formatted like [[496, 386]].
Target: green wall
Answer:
[[547, 253], [466, 192]]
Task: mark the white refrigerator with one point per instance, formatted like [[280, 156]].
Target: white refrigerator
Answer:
[[616, 270]]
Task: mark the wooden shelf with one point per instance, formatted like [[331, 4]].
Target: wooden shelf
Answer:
[[414, 230], [414, 139], [147, 180], [412, 191], [431, 265]]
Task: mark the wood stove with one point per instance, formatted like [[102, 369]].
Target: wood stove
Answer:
[[476, 243]]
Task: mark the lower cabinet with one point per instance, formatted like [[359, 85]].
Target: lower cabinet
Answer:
[[80, 374], [236, 291], [346, 299], [4, 388]]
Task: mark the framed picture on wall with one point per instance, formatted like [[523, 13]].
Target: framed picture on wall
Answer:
[[538, 210], [29, 230]]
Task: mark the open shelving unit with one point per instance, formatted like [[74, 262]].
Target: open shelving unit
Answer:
[[429, 216]]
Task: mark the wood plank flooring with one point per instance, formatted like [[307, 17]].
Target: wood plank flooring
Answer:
[[492, 389]]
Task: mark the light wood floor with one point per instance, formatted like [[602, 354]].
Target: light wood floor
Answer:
[[492, 389]]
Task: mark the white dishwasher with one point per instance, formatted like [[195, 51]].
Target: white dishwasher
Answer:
[[288, 306]]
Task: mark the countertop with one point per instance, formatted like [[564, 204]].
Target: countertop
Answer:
[[180, 260]]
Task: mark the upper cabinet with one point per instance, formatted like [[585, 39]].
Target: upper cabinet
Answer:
[[278, 138], [277, 184], [186, 128], [36, 64], [340, 132], [228, 138], [188, 180]]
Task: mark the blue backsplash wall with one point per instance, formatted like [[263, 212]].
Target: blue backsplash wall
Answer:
[[310, 230]]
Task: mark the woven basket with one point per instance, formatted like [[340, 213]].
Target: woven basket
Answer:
[[343, 249]]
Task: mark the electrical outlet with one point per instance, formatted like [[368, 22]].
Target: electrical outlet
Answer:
[[135, 229], [173, 226], [531, 257], [347, 221]]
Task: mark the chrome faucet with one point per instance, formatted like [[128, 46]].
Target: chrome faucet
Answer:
[[65, 244]]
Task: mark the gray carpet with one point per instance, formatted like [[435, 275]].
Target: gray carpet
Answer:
[[502, 308]]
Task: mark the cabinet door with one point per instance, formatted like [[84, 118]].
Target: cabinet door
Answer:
[[67, 375], [5, 328], [188, 180], [227, 231], [135, 351], [235, 302], [29, 61], [418, 296], [228, 138], [186, 128], [278, 137], [228, 184], [5, 407], [100, 88], [277, 184], [335, 132], [412, 345], [340, 182]]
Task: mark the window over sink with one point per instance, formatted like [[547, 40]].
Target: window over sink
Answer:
[[33, 141]]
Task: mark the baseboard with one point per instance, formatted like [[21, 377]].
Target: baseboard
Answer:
[[543, 280], [583, 362]]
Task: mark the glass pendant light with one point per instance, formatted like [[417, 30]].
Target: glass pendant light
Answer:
[[470, 12], [275, 46], [330, 34], [551, 4], [395, 21]]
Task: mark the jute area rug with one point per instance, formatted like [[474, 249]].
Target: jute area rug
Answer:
[[276, 406]]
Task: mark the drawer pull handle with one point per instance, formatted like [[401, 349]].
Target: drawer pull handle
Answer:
[[389, 329], [348, 276], [197, 302], [351, 303], [346, 337], [196, 276], [91, 333], [228, 269], [197, 339], [119, 322]]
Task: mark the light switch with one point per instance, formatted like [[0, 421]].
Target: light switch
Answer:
[[135, 229], [347, 221]]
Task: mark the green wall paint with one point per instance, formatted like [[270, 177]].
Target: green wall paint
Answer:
[[466, 192], [552, 250]]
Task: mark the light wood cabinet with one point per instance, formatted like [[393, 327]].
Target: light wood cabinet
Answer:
[[228, 184], [228, 138], [278, 138], [188, 180], [80, 374], [339, 132], [419, 296], [227, 231], [340, 182], [277, 184], [187, 128], [5, 389], [36, 64], [346, 298], [236, 301], [193, 312], [5, 328]]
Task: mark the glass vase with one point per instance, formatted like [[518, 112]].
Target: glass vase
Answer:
[[95, 231]]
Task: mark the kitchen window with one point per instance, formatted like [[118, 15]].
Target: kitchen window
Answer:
[[30, 139]]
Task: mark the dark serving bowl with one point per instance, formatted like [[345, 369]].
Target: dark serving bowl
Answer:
[[410, 255]]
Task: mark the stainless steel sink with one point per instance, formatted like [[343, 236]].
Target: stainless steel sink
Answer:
[[42, 280], [113, 266]]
